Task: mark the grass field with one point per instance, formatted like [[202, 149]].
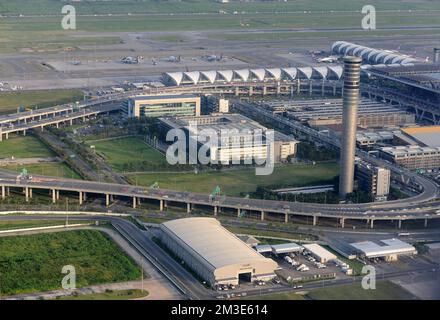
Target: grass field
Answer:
[[21, 224], [47, 169], [109, 295], [236, 182], [385, 290], [129, 154], [197, 6], [24, 147], [274, 36], [34, 263], [10, 101]]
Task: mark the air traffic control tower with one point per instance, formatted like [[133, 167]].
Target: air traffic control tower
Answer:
[[352, 69]]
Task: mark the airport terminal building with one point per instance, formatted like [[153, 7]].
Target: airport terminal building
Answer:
[[214, 253], [162, 105]]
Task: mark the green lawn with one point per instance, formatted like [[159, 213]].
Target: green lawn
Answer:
[[10, 101], [202, 6], [277, 296], [236, 182], [34, 263], [21, 224], [109, 295], [129, 154], [24, 147], [47, 169], [385, 290]]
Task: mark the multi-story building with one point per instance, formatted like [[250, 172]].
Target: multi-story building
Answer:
[[412, 157], [162, 105], [374, 180], [239, 138]]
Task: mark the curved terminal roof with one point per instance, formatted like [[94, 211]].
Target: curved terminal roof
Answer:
[[253, 75], [370, 55], [211, 244]]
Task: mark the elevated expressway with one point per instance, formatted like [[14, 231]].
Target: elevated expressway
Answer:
[[423, 206]]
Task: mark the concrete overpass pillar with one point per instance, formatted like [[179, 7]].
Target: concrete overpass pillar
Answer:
[[58, 194], [264, 90], [80, 198], [263, 214], [24, 133], [278, 89], [161, 205], [134, 202], [400, 223], [107, 199], [372, 223], [334, 90], [54, 196], [251, 91], [237, 91], [342, 223], [8, 191], [286, 217], [238, 212], [188, 207], [215, 211], [26, 192], [298, 86], [315, 220], [30, 193], [310, 88], [3, 192], [426, 222], [291, 91], [323, 88]]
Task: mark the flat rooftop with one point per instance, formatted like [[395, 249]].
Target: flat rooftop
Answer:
[[306, 110], [386, 247], [231, 121], [401, 151], [428, 136], [164, 97]]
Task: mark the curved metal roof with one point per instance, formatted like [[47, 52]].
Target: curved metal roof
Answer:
[[337, 70], [211, 244], [290, 72], [369, 55], [176, 77], [226, 74], [210, 75], [193, 76], [306, 72], [275, 73], [243, 74], [259, 73], [322, 71]]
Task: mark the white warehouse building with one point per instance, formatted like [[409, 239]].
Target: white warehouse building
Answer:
[[214, 253], [389, 249], [252, 75]]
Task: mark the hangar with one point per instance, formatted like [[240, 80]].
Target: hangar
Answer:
[[213, 253]]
